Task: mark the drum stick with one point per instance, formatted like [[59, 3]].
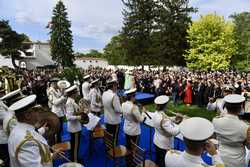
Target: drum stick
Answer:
[[60, 154]]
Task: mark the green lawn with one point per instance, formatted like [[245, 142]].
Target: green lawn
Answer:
[[191, 111]]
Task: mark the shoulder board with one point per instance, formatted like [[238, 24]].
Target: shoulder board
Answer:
[[28, 135], [174, 152], [45, 154], [248, 135]]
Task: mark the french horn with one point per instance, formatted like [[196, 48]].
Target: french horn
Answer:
[[84, 109]]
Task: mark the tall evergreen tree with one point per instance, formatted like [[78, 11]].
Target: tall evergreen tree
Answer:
[[136, 31], [172, 21], [61, 40]]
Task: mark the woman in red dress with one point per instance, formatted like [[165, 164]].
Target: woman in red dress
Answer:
[[188, 93]]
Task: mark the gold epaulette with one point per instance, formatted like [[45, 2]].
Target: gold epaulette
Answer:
[[45, 153], [8, 124], [174, 152], [132, 110], [218, 165], [248, 134]]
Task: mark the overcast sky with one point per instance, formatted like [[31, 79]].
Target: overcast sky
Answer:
[[94, 22]]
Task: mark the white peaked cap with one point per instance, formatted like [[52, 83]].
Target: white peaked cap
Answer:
[[130, 91], [86, 77], [163, 99], [70, 89], [196, 129], [24, 102], [11, 94], [234, 98], [63, 84], [93, 82]]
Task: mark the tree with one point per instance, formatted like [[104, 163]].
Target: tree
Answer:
[[11, 43], [61, 41], [94, 53], [114, 52], [136, 31], [172, 21], [212, 43], [242, 34]]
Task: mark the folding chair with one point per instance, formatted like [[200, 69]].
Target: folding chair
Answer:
[[136, 158], [97, 133], [112, 151]]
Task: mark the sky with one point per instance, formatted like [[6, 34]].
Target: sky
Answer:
[[94, 22]]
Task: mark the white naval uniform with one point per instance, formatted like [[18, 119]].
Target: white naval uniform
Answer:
[[133, 118], [231, 134], [220, 107], [3, 114], [95, 100], [112, 107], [211, 106], [58, 103], [73, 121], [50, 91], [9, 122], [78, 84], [175, 158], [85, 90], [25, 147], [164, 133]]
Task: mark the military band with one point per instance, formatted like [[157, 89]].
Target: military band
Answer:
[[196, 141], [165, 130], [23, 143], [73, 122], [95, 98], [58, 104], [26, 146], [7, 122], [86, 87], [232, 133], [112, 109], [132, 119], [4, 154]]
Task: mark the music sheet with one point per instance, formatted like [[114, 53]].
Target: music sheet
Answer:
[[93, 121]]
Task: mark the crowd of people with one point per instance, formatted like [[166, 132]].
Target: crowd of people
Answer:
[[191, 88], [23, 143]]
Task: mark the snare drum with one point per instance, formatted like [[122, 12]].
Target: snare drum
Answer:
[[71, 164]]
